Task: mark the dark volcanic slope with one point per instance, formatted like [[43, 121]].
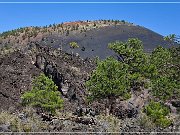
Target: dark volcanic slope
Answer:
[[18, 69], [95, 41], [92, 36], [16, 72]]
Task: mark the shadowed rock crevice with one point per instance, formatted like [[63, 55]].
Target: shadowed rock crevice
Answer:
[[51, 71], [68, 72]]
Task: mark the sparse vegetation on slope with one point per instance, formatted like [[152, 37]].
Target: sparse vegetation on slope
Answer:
[[137, 71], [91, 35], [44, 94], [139, 90], [158, 112], [110, 80], [131, 53], [27, 121]]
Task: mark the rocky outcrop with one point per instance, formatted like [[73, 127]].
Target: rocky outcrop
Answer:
[[123, 113], [16, 74], [68, 72]]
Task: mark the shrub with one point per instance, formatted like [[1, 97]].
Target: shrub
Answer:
[[172, 39], [166, 83], [44, 94], [109, 80], [157, 113], [74, 45], [131, 53], [161, 58], [163, 88]]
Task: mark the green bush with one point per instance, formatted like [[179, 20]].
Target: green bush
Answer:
[[172, 39], [74, 45], [109, 80], [157, 113], [131, 53], [161, 58], [166, 82], [44, 94], [163, 88]]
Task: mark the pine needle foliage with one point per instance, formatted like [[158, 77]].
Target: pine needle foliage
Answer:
[[44, 94]]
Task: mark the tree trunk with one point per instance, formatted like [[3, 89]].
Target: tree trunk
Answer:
[[109, 105]]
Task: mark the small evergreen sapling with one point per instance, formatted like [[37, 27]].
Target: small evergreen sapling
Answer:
[[109, 81], [44, 94], [158, 112]]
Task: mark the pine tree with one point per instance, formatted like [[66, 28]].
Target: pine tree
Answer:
[[44, 94], [109, 81]]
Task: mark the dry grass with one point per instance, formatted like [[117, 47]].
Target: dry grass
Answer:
[[31, 122], [113, 123], [145, 122]]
